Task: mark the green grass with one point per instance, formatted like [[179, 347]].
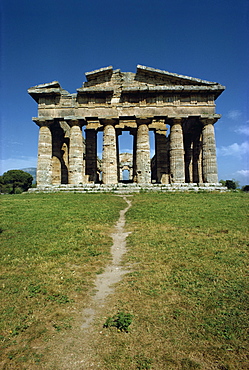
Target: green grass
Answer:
[[52, 246], [188, 291]]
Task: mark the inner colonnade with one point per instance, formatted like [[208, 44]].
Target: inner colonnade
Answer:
[[179, 110]]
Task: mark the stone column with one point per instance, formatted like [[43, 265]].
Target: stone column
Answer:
[[188, 147], [91, 154], [64, 167], [209, 165], [197, 159], [177, 173], [119, 173], [161, 157], [143, 167], [76, 152], [44, 163], [134, 157], [57, 140], [109, 156]]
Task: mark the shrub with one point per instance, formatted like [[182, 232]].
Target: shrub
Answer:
[[245, 188], [121, 321], [15, 181]]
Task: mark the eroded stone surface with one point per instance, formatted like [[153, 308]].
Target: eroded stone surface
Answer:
[[180, 110]]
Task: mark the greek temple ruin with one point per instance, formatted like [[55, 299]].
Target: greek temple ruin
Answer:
[[178, 110]]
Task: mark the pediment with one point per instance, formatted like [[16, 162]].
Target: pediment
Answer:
[[109, 82], [159, 77], [105, 80]]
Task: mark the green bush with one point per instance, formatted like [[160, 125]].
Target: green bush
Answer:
[[121, 321], [15, 181], [245, 188]]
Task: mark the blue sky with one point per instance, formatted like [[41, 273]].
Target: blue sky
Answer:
[[47, 40]]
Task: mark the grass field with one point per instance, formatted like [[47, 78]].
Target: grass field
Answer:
[[187, 292], [52, 247]]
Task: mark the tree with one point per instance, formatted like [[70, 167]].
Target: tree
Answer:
[[15, 181], [230, 184], [245, 188]]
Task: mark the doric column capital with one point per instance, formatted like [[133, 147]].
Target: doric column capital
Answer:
[[210, 120], [92, 124], [43, 121], [108, 121], [73, 121], [175, 121]]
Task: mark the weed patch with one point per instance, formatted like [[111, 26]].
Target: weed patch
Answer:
[[121, 321]]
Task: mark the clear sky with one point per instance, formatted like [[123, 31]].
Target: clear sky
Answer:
[[47, 40]]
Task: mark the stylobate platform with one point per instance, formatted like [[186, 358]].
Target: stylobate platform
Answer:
[[128, 188]]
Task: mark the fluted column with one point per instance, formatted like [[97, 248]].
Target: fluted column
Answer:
[[109, 156], [161, 157], [76, 153], [197, 159], [209, 164], [91, 154], [143, 167], [44, 162], [188, 146], [134, 157], [177, 167]]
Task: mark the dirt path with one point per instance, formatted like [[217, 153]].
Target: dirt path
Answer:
[[74, 349]]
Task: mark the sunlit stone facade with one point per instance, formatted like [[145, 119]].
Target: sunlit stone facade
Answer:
[[179, 110]]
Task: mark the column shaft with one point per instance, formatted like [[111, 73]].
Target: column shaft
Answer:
[[56, 156], [91, 154], [109, 157], [197, 160], [143, 167], [209, 165], [162, 166], [134, 157], [188, 146], [76, 152], [44, 163], [177, 173]]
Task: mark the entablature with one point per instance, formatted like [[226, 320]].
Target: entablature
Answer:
[[109, 90]]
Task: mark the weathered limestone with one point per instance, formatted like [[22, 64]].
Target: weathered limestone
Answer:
[[209, 152], [162, 157], [126, 163], [143, 169], [109, 160], [177, 170], [44, 163], [113, 101], [91, 155], [76, 160]]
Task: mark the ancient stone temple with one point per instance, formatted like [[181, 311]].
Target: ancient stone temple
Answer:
[[179, 110]]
